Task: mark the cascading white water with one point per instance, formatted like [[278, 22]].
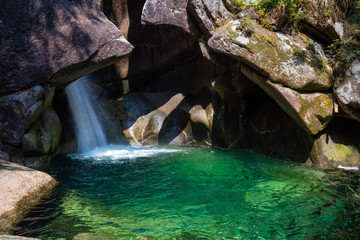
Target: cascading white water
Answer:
[[89, 132]]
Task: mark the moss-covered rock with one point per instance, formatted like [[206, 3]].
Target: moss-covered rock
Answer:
[[338, 145], [312, 111], [296, 61], [272, 132], [44, 136]]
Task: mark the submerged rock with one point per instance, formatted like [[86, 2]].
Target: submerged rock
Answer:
[[20, 189], [93, 236]]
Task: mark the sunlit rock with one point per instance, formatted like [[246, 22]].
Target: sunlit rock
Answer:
[[21, 188], [295, 62], [209, 15], [312, 111], [338, 146], [347, 91]]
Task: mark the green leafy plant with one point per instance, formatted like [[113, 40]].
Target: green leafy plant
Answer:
[[238, 5], [344, 50]]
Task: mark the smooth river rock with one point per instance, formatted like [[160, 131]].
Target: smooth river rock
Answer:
[[20, 189]]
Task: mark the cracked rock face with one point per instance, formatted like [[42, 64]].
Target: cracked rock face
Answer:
[[54, 41]]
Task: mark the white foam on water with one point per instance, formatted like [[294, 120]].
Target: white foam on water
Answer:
[[348, 168], [119, 152]]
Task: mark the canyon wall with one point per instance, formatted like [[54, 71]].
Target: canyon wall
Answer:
[[199, 73]]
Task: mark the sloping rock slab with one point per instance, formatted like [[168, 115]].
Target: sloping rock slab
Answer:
[[312, 111], [20, 189], [295, 62], [54, 40]]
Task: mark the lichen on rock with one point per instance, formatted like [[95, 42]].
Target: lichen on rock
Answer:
[[293, 61], [312, 111]]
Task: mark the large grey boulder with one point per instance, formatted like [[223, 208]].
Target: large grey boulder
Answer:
[[312, 111], [44, 136], [166, 118], [209, 15], [18, 112], [167, 12], [323, 19], [338, 145], [347, 91], [20, 189], [296, 61], [54, 41]]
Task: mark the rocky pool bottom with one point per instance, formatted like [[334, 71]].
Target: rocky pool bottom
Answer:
[[194, 193]]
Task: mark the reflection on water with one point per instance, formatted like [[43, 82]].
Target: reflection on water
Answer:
[[195, 193]]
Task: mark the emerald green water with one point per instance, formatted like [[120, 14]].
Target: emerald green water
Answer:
[[195, 193]]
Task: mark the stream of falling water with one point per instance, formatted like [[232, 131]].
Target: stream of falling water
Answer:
[[88, 129]]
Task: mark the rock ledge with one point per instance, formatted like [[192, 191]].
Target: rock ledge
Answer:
[[20, 189]]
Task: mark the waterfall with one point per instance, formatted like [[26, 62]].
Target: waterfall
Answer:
[[88, 129]]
